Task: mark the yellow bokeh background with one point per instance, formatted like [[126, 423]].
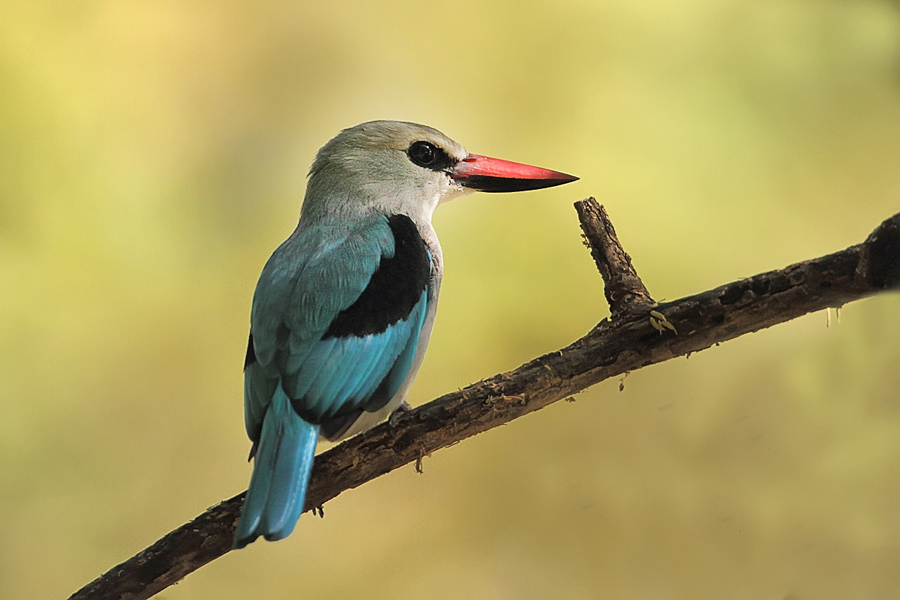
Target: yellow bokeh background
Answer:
[[153, 154]]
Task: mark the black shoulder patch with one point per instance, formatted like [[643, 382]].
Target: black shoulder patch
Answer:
[[395, 287]]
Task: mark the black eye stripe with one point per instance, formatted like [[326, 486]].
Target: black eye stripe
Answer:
[[428, 155]]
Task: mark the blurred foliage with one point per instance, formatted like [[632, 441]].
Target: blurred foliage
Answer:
[[153, 154]]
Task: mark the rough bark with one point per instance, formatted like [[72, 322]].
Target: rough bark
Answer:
[[632, 338], [624, 290]]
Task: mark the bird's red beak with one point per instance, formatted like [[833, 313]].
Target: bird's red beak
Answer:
[[495, 175]]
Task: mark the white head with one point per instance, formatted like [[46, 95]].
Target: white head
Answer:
[[404, 168]]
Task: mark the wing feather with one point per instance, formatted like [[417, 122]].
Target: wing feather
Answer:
[[298, 295], [324, 395], [304, 287]]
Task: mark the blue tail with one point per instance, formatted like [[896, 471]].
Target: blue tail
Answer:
[[281, 471]]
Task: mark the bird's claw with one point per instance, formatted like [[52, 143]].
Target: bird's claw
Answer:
[[394, 419]]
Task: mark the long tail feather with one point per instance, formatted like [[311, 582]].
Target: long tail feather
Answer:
[[281, 471]]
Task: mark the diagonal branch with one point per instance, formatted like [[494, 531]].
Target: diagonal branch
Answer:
[[628, 342]]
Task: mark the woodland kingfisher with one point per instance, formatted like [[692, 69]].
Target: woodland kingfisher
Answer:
[[344, 307]]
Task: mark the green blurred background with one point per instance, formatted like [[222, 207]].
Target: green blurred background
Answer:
[[153, 154]]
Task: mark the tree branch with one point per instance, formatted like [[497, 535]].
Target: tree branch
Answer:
[[625, 292], [628, 341]]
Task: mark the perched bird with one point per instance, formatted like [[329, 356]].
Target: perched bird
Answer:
[[344, 307]]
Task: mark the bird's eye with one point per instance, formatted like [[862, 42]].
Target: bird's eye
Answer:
[[424, 154]]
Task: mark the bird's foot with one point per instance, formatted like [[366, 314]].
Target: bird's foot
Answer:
[[394, 419]]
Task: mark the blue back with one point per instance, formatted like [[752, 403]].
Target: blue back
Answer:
[[336, 319], [335, 326]]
